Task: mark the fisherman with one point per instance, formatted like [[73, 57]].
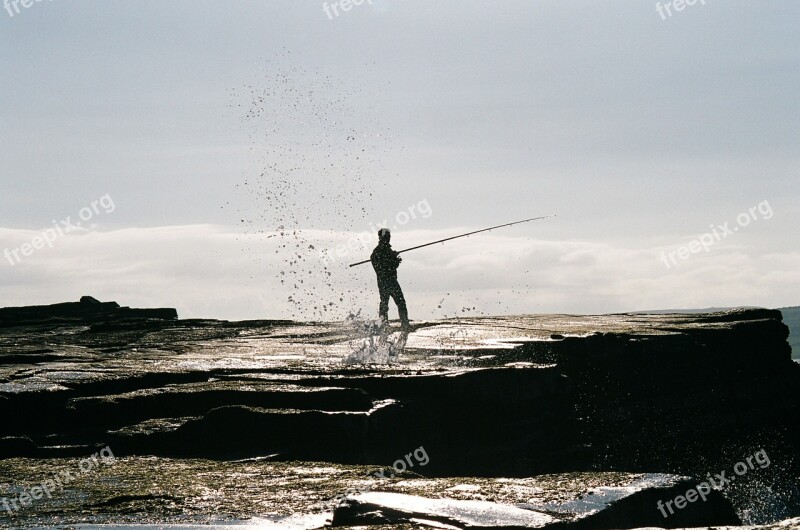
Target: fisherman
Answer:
[[385, 262]]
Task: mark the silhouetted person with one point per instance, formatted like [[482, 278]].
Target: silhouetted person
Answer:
[[385, 262]]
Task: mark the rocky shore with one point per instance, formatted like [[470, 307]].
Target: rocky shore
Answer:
[[541, 421]]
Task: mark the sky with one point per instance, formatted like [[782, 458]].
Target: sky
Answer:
[[229, 158]]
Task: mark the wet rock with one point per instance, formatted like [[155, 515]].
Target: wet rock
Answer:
[[498, 421], [487, 397], [258, 432], [631, 504], [394, 508], [197, 399], [162, 491]]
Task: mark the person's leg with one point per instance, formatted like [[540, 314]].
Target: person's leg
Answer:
[[383, 308], [400, 300]]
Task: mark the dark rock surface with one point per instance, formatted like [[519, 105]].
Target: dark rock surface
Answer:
[[88, 310], [628, 502], [514, 397], [302, 495]]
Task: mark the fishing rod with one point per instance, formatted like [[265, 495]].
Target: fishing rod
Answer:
[[462, 235]]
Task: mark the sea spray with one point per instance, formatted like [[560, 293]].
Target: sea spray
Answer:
[[374, 344]]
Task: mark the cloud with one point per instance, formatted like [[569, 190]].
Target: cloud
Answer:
[[218, 272]]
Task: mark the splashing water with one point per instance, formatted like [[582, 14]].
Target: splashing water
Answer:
[[375, 343], [319, 153]]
